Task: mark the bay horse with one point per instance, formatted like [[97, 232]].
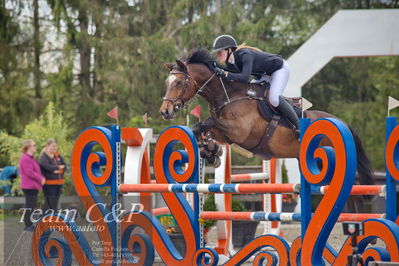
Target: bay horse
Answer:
[[235, 117]]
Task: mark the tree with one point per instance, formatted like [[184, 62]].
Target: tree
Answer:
[[37, 48], [14, 98]]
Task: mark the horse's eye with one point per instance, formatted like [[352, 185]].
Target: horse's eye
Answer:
[[179, 83]]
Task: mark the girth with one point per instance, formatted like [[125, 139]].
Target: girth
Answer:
[[259, 149]]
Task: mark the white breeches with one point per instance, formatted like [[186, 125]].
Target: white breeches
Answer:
[[278, 80]]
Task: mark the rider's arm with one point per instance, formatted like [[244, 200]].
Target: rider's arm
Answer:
[[247, 63]]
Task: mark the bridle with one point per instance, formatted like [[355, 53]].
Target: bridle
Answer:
[[214, 110], [187, 78]]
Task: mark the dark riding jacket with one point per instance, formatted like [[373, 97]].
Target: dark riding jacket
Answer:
[[249, 62]]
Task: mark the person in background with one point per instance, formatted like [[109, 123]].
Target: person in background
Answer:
[[32, 180], [53, 168]]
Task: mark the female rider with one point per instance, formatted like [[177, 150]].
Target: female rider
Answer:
[[244, 61]]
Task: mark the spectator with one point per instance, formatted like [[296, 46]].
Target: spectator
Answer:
[[32, 180], [53, 168]]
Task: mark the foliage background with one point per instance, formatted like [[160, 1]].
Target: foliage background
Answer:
[[49, 125], [65, 63]]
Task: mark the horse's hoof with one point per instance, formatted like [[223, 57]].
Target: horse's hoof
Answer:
[[211, 159], [217, 162], [219, 151], [214, 161]]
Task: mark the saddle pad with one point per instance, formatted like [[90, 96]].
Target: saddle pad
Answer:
[[267, 112]]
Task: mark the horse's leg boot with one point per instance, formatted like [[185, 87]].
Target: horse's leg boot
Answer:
[[197, 129], [288, 111]]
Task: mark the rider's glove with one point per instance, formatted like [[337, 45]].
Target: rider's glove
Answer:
[[220, 72]]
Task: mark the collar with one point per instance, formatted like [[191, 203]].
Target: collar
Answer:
[[27, 154], [51, 156], [232, 58]]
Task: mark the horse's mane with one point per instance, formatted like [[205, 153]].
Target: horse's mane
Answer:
[[201, 56]]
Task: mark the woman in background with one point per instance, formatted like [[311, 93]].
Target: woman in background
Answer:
[[32, 180], [53, 168]]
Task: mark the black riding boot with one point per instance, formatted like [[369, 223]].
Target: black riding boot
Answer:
[[288, 111]]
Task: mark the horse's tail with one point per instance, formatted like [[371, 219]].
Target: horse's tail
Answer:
[[364, 170]]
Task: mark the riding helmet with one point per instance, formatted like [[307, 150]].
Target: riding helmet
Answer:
[[224, 42]]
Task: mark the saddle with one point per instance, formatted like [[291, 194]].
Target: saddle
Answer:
[[269, 113]]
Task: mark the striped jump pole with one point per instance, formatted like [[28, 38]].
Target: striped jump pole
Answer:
[[249, 177], [377, 190], [160, 211], [282, 216], [211, 188], [243, 188], [270, 216]]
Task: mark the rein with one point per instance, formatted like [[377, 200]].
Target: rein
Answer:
[[224, 89], [206, 83]]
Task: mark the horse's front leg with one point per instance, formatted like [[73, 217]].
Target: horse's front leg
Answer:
[[206, 133], [209, 125]]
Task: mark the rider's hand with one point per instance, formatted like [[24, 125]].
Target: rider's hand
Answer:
[[220, 72]]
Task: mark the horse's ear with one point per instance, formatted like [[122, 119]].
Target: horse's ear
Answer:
[[181, 65], [168, 66]]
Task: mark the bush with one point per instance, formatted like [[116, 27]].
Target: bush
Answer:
[[49, 125], [237, 206]]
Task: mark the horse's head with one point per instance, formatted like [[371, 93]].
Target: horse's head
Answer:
[[180, 88]]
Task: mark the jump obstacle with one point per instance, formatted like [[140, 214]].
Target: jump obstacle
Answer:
[[178, 170], [271, 173]]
